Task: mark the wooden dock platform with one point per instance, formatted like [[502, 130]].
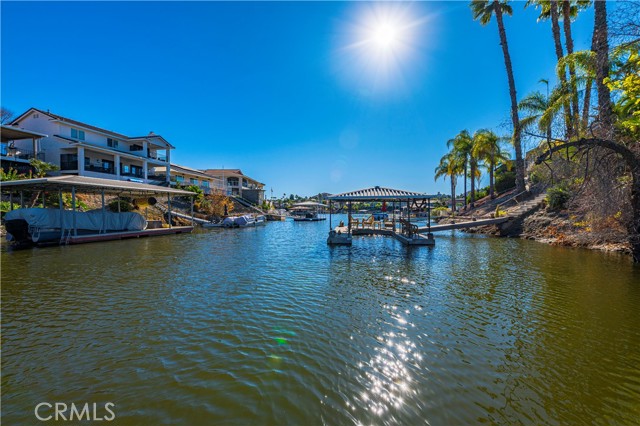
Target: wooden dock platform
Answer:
[[463, 225], [416, 240], [92, 238]]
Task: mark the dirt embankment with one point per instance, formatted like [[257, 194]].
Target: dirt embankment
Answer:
[[564, 228]]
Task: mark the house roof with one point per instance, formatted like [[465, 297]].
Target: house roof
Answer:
[[186, 170], [379, 193], [12, 133], [88, 184], [86, 126], [229, 173]]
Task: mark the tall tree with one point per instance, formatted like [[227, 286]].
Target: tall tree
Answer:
[[570, 9], [482, 11], [461, 147], [605, 111], [487, 148], [549, 10], [449, 167]]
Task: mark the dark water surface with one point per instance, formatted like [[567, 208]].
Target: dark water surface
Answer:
[[272, 326]]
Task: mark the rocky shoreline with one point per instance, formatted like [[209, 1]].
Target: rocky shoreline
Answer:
[[560, 229]]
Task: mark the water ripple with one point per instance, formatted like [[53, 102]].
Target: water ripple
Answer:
[[271, 326]]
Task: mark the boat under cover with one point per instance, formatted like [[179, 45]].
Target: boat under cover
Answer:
[[40, 225]]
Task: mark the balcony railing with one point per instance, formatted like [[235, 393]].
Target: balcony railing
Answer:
[[137, 150], [133, 174], [19, 153], [107, 170]]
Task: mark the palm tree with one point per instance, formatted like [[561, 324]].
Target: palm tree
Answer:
[[605, 111], [487, 148], [483, 10], [461, 146], [449, 167], [570, 9], [549, 10]]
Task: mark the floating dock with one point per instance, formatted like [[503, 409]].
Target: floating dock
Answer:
[[111, 236], [341, 233]]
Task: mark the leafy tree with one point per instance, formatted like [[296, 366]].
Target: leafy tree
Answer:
[[449, 167], [487, 147], [461, 147], [42, 167]]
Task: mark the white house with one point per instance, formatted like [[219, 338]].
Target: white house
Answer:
[[238, 184], [85, 150]]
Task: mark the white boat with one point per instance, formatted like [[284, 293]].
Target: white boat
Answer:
[[244, 221]]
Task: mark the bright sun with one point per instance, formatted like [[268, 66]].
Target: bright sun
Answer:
[[385, 36], [383, 42]]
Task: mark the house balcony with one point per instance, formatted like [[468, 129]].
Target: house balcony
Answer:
[[139, 175], [93, 168], [19, 154]]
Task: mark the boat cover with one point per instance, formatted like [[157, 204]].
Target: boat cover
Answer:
[[91, 220], [239, 221]]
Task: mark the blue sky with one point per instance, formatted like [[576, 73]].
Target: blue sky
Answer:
[[274, 88]]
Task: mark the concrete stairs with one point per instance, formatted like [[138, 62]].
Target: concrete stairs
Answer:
[[524, 208]]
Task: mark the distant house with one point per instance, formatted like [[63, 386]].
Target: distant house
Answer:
[[239, 185], [18, 147], [185, 176], [85, 150]]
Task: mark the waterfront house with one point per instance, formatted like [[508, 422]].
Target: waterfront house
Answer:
[[18, 147], [85, 150], [239, 185], [185, 176]]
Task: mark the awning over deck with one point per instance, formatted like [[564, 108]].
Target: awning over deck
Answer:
[[11, 133], [378, 193], [88, 184]]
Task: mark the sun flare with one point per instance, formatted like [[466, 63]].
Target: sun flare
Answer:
[[383, 43]]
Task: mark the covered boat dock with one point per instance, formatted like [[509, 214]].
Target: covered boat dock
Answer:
[[399, 227], [69, 229]]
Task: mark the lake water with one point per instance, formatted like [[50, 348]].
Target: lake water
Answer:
[[272, 326]]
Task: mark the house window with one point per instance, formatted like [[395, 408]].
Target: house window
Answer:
[[125, 168], [194, 181], [180, 179], [68, 161], [112, 143], [87, 161], [205, 183], [107, 166], [77, 134], [135, 147]]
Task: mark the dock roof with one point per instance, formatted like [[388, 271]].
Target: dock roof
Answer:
[[379, 193], [88, 184]]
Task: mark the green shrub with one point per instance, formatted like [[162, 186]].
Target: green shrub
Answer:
[[557, 197], [505, 180]]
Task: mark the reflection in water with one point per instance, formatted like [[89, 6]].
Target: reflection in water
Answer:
[[270, 325]]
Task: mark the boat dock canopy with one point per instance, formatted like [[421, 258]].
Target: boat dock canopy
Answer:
[[378, 193], [88, 184]]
